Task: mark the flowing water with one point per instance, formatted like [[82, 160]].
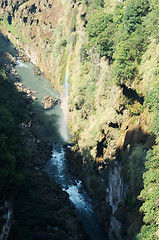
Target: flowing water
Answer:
[[57, 168], [51, 125]]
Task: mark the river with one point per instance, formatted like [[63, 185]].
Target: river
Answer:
[[51, 126]]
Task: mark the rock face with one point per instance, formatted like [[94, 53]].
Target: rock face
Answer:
[[49, 102]]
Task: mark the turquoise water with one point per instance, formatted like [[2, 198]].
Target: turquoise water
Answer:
[[51, 124]]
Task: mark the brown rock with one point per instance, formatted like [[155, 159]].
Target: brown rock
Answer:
[[49, 102]]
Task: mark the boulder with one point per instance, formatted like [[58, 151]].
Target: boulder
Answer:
[[49, 102]]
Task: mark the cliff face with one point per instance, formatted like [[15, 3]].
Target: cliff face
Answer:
[[108, 121]]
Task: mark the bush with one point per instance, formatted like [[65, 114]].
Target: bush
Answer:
[[150, 194], [136, 169], [128, 54], [97, 23], [148, 232], [135, 10], [152, 102], [101, 29], [105, 42]]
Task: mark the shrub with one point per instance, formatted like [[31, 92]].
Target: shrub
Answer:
[[136, 169], [97, 23], [128, 54], [135, 10]]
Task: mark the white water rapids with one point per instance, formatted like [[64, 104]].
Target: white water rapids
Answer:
[[56, 167]]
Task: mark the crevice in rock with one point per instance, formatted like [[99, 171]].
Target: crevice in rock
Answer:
[[113, 125], [100, 147], [131, 94], [9, 19], [33, 9], [133, 137], [25, 19], [6, 3]]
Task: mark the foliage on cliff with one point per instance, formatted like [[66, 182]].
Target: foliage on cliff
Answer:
[[12, 156], [150, 194], [133, 30]]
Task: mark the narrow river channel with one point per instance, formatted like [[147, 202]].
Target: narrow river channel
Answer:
[[51, 126]]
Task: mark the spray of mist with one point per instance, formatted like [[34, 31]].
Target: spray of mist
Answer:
[[64, 105], [66, 86]]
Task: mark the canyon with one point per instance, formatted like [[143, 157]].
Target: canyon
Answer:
[[109, 121]]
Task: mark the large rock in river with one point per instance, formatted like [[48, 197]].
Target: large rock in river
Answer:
[[49, 102]]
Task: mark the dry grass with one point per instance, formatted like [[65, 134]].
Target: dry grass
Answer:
[[148, 66]]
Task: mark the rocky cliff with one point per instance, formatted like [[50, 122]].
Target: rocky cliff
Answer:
[[109, 121]]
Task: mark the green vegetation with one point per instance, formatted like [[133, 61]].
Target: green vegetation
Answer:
[[100, 27], [152, 102], [123, 37], [134, 12], [13, 28], [150, 194], [135, 171], [12, 156], [31, 202], [94, 3]]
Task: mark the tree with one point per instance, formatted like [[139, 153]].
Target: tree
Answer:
[[135, 10]]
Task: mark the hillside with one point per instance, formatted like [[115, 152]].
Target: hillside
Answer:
[[113, 97]]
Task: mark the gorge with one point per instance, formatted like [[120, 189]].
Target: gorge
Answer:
[[105, 53]]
